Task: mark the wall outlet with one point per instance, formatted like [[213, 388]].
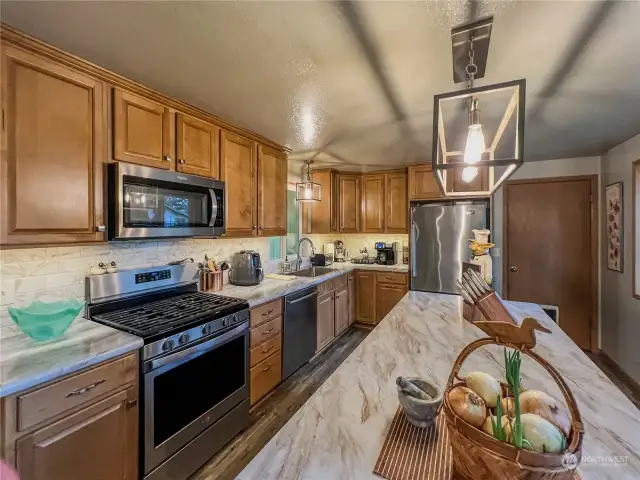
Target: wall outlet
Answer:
[[495, 252]]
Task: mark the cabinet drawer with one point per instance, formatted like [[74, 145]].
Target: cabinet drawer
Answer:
[[265, 331], [47, 402], [265, 376], [265, 312], [332, 284], [390, 277], [262, 351]]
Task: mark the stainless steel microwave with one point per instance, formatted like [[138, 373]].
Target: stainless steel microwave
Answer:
[[145, 202]]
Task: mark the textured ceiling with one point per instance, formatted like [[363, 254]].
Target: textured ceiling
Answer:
[[352, 84]]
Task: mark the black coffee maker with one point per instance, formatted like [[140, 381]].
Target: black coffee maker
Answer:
[[386, 255]]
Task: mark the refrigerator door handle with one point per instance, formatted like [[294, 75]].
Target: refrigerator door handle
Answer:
[[414, 227]]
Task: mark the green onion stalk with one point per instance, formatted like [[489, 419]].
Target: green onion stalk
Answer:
[[512, 363]]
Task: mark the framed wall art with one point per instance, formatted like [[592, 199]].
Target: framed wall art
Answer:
[[615, 230], [635, 228]]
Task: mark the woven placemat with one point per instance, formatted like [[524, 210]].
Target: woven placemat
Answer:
[[412, 453]]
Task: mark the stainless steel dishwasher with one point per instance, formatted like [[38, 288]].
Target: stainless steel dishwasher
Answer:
[[299, 333]]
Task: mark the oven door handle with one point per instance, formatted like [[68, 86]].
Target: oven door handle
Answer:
[[214, 207], [182, 356]]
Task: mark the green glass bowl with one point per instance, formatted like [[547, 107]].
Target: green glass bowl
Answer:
[[46, 320]]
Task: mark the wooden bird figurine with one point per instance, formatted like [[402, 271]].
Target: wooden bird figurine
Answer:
[[523, 335]]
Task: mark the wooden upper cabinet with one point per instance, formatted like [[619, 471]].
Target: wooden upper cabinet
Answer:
[[197, 147], [373, 203], [99, 442], [397, 203], [422, 183], [350, 203], [142, 131], [321, 211], [52, 152], [272, 192], [239, 171]]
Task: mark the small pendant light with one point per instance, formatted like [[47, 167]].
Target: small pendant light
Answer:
[[308, 191]]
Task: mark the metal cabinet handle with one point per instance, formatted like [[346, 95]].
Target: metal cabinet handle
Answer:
[[390, 278], [255, 227], [261, 227], [267, 332], [167, 158], [100, 228], [266, 350], [182, 161], [82, 390], [132, 403], [269, 312], [266, 369]]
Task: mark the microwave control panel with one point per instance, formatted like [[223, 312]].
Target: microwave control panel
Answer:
[[153, 276]]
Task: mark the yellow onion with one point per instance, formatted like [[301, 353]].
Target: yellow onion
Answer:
[[507, 406], [546, 406], [543, 436], [486, 386], [487, 426], [468, 405]]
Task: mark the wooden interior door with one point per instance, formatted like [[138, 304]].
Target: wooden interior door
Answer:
[[238, 169], [326, 320], [272, 192], [422, 183], [550, 254], [350, 203], [373, 203], [197, 147], [52, 152], [142, 131], [397, 203], [98, 443], [341, 309], [366, 296]]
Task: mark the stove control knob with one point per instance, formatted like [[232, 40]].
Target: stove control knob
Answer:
[[168, 345], [235, 318], [225, 322], [206, 330], [183, 339]]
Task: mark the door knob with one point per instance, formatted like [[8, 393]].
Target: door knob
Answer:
[[513, 268]]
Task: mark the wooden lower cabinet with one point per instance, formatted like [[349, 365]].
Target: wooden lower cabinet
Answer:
[[351, 286], [341, 310], [387, 296], [365, 296], [99, 442], [265, 376], [325, 320]]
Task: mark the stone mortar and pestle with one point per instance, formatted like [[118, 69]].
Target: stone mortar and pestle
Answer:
[[419, 400]]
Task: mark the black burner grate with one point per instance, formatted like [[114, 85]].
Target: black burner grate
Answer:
[[168, 314]]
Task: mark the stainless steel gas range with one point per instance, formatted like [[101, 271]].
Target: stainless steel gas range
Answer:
[[194, 366]]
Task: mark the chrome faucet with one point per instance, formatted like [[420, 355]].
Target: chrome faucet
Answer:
[[313, 250]]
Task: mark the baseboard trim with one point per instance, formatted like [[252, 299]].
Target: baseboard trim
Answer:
[[624, 376]]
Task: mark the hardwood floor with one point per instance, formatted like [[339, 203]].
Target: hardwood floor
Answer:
[[274, 411]]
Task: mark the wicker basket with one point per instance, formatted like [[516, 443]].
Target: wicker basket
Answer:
[[477, 455]]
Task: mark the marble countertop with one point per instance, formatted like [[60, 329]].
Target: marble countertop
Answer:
[[339, 431], [25, 363], [270, 289]]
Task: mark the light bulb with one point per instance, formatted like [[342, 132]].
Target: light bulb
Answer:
[[469, 173], [308, 194], [475, 144]]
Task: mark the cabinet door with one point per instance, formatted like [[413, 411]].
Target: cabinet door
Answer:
[[142, 132], [351, 285], [422, 183], [397, 204], [325, 316], [321, 211], [99, 442], [239, 172], [373, 202], [335, 202], [387, 296], [305, 212], [350, 203], [197, 147], [365, 297], [341, 309], [52, 152], [272, 192]]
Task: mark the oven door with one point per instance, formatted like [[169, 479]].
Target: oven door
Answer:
[[146, 202], [187, 391]]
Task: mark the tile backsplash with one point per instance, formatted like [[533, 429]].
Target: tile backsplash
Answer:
[[354, 242], [58, 272]]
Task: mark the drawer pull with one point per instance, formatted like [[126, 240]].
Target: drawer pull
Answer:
[[267, 332], [266, 369], [82, 390], [269, 312], [268, 349]]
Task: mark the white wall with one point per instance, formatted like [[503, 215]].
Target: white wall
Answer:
[[565, 167], [620, 310]]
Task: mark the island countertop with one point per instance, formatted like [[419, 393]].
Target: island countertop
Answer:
[[339, 431]]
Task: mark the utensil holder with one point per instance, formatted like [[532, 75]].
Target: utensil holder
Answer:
[[214, 281]]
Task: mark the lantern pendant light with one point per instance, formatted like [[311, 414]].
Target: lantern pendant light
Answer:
[[473, 156], [308, 190]]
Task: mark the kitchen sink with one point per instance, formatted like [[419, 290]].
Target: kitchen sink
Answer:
[[312, 272]]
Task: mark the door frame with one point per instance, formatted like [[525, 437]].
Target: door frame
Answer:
[[593, 324]]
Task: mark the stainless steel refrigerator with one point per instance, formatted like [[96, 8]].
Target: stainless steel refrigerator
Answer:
[[440, 234]]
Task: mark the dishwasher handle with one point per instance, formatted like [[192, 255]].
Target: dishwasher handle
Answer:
[[291, 302]]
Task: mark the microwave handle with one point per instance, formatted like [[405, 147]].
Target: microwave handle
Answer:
[[214, 207]]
